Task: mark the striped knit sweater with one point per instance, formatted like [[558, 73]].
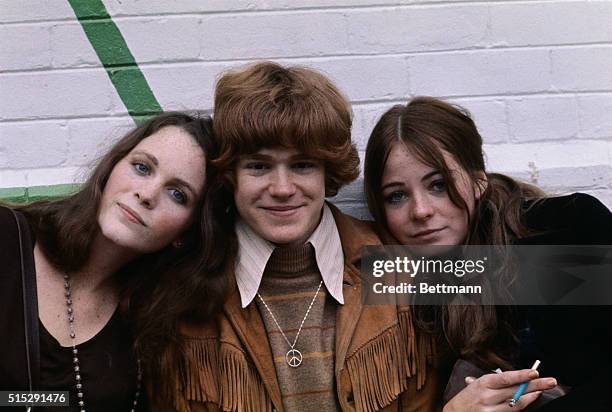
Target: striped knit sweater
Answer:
[[288, 285]]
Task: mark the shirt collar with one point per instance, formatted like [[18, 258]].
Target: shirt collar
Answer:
[[254, 253]]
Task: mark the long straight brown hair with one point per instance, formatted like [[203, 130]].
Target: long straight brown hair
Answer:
[[160, 288], [427, 126]]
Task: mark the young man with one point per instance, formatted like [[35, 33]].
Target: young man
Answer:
[[294, 334]]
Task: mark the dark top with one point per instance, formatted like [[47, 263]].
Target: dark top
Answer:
[[108, 365], [574, 343]]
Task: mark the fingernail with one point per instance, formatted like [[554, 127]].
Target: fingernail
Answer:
[[552, 382], [533, 374]]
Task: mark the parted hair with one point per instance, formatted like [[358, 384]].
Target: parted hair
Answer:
[[427, 126], [266, 105]]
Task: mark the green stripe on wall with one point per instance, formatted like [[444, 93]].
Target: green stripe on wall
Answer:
[[124, 73], [33, 193], [110, 46]]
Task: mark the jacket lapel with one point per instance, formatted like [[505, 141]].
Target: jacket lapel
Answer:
[[249, 326], [347, 316], [354, 234]]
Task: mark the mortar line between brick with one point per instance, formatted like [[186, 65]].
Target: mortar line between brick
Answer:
[[354, 103], [382, 6], [313, 58], [131, 85]]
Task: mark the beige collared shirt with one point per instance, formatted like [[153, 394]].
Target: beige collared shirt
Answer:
[[254, 253]]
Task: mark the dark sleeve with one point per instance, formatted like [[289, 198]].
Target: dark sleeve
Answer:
[[577, 219], [593, 220], [592, 397], [574, 341], [12, 344]]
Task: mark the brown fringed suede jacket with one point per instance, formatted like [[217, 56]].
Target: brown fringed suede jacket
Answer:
[[380, 362]]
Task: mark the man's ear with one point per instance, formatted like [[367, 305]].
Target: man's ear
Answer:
[[481, 184]]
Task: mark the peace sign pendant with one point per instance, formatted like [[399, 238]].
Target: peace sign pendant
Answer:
[[294, 358]]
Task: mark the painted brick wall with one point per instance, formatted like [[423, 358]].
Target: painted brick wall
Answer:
[[537, 75]]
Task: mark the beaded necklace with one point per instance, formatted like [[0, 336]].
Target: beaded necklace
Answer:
[[75, 353]]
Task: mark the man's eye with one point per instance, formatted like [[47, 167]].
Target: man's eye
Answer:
[[256, 166], [439, 186], [178, 196], [303, 165], [141, 168], [395, 197]]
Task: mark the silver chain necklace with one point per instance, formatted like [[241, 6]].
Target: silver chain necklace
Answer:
[[75, 353], [293, 356]]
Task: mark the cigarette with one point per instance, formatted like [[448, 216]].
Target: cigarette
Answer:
[[522, 387]]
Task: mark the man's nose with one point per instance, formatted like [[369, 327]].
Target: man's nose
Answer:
[[282, 184]]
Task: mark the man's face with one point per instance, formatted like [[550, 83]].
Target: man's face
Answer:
[[280, 193]]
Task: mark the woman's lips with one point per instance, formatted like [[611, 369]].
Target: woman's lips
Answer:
[[426, 233], [131, 214]]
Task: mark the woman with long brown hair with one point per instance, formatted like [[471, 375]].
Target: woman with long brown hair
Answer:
[[84, 277], [426, 184]]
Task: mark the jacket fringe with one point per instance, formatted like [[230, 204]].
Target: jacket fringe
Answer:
[[198, 373], [241, 387], [380, 370]]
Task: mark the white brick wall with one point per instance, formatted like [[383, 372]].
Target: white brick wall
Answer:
[[537, 75]]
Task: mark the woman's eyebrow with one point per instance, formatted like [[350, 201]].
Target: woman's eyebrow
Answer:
[[392, 184], [430, 174], [399, 183], [152, 158]]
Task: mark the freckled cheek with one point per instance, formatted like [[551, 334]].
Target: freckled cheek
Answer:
[[397, 222], [458, 223], [170, 225], [119, 183]]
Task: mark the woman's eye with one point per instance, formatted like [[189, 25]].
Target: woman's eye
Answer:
[[395, 197], [178, 196], [438, 186], [141, 168]]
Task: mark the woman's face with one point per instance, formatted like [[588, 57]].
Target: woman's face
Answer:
[[417, 206], [152, 192]]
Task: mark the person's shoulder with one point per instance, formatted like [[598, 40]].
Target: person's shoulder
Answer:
[[354, 229], [577, 213], [193, 328], [8, 224], [6, 214], [575, 207], [577, 202], [9, 242]]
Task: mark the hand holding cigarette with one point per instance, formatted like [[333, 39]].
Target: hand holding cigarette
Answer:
[[495, 389], [522, 387]]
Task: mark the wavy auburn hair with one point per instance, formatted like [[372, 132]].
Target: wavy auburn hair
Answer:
[[266, 105]]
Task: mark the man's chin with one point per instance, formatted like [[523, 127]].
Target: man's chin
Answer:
[[287, 239]]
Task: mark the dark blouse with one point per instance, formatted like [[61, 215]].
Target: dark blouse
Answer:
[[108, 365], [574, 343]]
